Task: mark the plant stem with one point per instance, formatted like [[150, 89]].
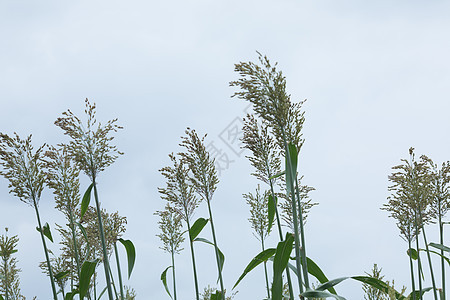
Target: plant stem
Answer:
[[418, 256], [102, 237], [5, 262], [173, 273], [412, 271], [50, 271], [118, 271], [290, 180], [302, 236], [216, 248], [280, 231], [265, 269], [191, 244], [429, 262], [75, 247], [441, 240]]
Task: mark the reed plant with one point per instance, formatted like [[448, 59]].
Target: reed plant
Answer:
[[204, 179], [10, 282], [180, 194], [22, 166], [172, 238], [92, 151]]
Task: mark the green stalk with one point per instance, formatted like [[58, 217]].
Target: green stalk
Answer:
[[429, 262], [112, 283], [5, 261], [173, 272], [191, 244], [280, 231], [412, 270], [118, 271], [302, 235], [102, 237], [216, 248], [299, 253], [418, 255], [75, 247], [441, 239], [55, 297], [265, 269]]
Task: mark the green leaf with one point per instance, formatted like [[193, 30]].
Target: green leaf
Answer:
[[46, 231], [221, 256], [331, 283], [87, 270], [197, 228], [443, 256], [378, 284], [217, 295], [70, 295], [272, 205], [261, 257], [277, 175], [86, 200], [315, 271], [1, 297], [61, 275], [164, 280], [103, 292], [280, 262], [440, 247], [291, 169], [320, 294], [417, 293], [131, 254], [412, 253]]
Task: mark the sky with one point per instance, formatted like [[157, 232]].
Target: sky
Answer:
[[375, 75]]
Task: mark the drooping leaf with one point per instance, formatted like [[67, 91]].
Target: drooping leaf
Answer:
[[320, 294], [198, 226], [280, 262], [443, 256], [261, 257], [86, 200], [440, 247], [331, 283], [412, 253], [61, 275], [271, 211], [378, 284], [164, 280], [417, 293], [315, 271], [131, 254], [87, 270], [46, 231], [221, 256]]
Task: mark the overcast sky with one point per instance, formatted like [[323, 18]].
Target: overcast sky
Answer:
[[376, 75]]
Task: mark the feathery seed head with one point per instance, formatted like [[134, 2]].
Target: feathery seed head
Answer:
[[170, 225], [91, 145], [204, 174], [22, 167], [258, 212]]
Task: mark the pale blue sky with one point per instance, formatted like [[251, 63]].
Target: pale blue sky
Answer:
[[376, 76]]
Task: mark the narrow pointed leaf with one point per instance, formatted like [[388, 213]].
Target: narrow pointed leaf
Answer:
[[86, 200], [261, 257], [378, 284], [417, 293], [271, 211], [221, 256], [437, 253], [440, 247], [87, 270], [164, 280], [197, 228], [280, 262], [331, 283], [131, 254], [320, 294], [315, 271], [277, 175], [46, 231]]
